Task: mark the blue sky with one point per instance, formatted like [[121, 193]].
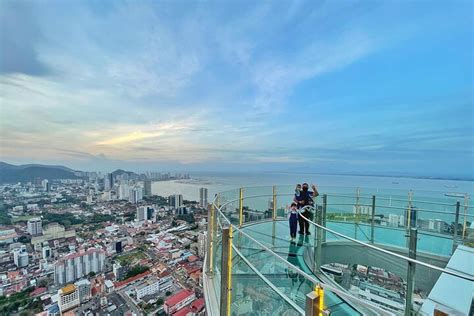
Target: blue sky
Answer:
[[373, 87]]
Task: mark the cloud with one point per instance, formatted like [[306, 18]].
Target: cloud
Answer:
[[19, 38]]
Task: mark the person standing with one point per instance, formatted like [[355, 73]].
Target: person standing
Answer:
[[293, 220], [306, 199]]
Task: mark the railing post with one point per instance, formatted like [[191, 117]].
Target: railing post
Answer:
[[372, 222], [210, 241], [456, 223], [274, 214], [241, 206], [466, 198], [315, 303], [408, 216], [357, 213], [325, 203], [226, 272], [411, 271], [319, 239]]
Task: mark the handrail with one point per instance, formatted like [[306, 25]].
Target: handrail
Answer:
[[301, 272], [462, 276], [427, 265]]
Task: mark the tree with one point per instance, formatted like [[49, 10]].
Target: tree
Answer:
[[168, 293], [159, 301]]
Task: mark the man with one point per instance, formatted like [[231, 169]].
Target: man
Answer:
[[305, 198]]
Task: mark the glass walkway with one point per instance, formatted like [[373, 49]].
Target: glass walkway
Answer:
[[367, 254]]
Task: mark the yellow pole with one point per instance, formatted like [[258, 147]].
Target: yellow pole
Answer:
[[211, 236], [229, 273], [241, 206], [320, 295]]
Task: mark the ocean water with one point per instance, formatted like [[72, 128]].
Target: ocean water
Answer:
[[219, 182]]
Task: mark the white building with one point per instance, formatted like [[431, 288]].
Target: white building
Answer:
[[152, 286], [84, 288], [46, 250], [203, 197], [68, 297], [175, 201], [141, 213], [77, 265], [135, 195], [202, 241], [395, 220], [34, 226], [20, 257], [123, 191]]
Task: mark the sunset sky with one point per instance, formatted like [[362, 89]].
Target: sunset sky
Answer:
[[321, 86]]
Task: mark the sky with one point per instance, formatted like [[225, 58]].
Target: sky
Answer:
[[360, 87]]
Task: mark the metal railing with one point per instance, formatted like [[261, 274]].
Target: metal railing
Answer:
[[226, 242]]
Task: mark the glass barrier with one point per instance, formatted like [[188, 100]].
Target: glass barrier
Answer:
[[361, 275]]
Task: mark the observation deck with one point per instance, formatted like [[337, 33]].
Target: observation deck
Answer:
[[369, 252]]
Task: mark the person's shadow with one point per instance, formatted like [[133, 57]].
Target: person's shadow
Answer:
[[296, 279]]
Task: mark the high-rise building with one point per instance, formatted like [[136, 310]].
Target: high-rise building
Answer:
[[20, 257], [175, 201], [46, 185], [202, 241], [46, 252], [34, 226], [84, 288], [147, 185], [203, 197], [123, 191], [108, 182], [68, 297], [76, 265], [144, 213], [135, 195], [141, 213]]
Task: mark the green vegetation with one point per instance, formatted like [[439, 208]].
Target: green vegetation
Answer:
[[189, 218], [156, 199], [11, 305], [100, 218], [129, 258], [66, 219], [4, 217], [22, 218], [136, 270]]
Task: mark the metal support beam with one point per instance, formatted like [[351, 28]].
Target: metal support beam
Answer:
[[210, 241], [464, 226], [319, 240], [274, 210], [357, 209], [226, 272], [324, 210], [456, 224], [411, 271], [241, 207], [372, 221]]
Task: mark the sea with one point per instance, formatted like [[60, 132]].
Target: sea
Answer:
[[221, 182]]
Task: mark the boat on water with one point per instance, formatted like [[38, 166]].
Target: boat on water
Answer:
[[450, 186], [457, 195]]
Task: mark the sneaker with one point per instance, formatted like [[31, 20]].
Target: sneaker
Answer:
[[301, 233], [308, 233]]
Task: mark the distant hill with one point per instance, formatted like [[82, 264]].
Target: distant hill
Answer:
[[119, 172], [25, 173]]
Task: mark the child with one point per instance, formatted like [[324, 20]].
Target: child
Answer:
[[297, 192], [293, 220]]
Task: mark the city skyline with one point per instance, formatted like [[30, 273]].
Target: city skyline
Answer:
[[347, 87]]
